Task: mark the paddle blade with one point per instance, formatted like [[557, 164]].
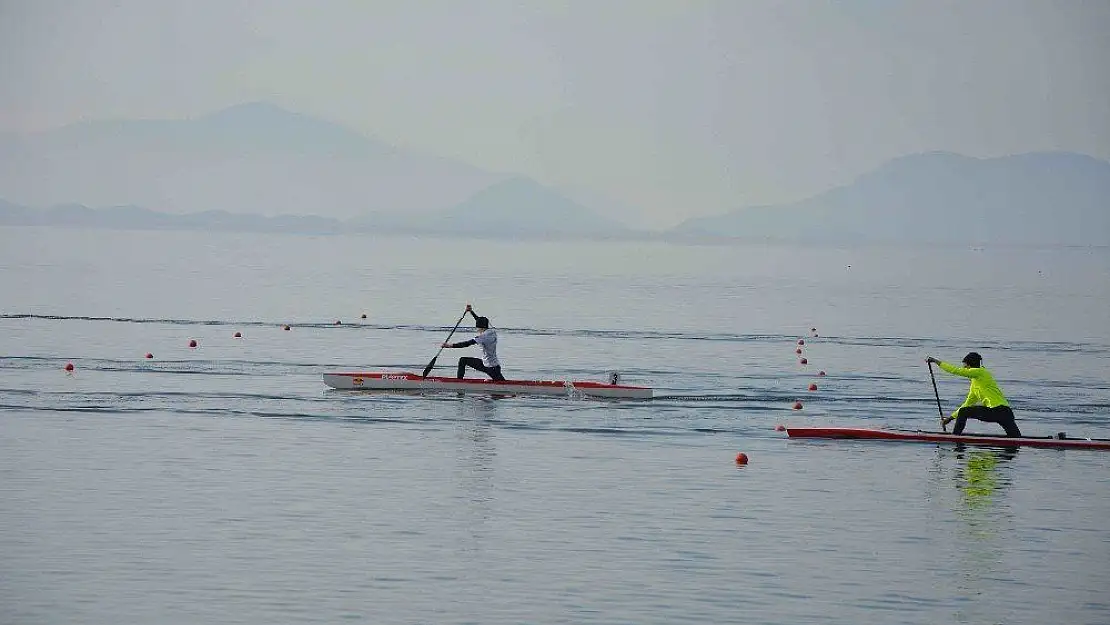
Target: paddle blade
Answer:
[[430, 366]]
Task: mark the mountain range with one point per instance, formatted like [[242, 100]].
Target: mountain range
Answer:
[[1046, 198], [257, 167], [493, 212], [252, 158]]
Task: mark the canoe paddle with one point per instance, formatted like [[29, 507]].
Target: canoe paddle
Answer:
[[432, 364], [940, 410]]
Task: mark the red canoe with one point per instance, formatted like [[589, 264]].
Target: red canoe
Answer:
[[919, 436], [407, 381]]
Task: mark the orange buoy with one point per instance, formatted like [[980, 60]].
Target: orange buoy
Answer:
[[741, 458], [69, 366], [238, 335], [813, 387], [797, 405], [149, 355], [803, 361], [192, 342]]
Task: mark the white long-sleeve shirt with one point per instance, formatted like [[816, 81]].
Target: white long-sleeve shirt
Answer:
[[488, 342]]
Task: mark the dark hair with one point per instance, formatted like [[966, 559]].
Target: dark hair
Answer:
[[481, 322], [973, 359]]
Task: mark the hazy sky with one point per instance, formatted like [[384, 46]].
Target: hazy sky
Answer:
[[676, 108]]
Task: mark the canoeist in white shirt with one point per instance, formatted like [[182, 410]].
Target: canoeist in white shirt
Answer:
[[487, 339]]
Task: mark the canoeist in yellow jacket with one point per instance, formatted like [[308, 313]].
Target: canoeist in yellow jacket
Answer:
[[985, 400]]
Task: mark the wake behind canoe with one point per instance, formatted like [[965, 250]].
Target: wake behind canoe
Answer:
[[918, 436], [407, 381]]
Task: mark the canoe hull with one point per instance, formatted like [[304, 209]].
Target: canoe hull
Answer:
[[412, 382], [940, 437]]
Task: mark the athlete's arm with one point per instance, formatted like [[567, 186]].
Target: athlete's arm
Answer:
[[964, 372]]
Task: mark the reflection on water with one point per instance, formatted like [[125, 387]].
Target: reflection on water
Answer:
[[979, 479], [985, 516], [477, 454]]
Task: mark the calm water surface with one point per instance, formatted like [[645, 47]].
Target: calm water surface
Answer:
[[225, 484]]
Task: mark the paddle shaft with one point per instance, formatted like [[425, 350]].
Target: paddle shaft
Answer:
[[937, 394], [432, 364]]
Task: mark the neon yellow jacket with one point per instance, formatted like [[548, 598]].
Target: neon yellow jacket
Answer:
[[984, 390]]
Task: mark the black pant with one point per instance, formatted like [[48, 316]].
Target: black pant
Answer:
[[476, 363], [1002, 415]]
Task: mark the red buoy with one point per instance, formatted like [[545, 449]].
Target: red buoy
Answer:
[[192, 342], [801, 342], [803, 361], [69, 366], [238, 335], [813, 387], [363, 315], [741, 458], [149, 355], [798, 350], [780, 428], [337, 322], [821, 373], [797, 405]]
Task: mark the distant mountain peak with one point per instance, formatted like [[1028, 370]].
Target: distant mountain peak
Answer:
[[933, 155], [265, 118], [517, 185], [253, 110]]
